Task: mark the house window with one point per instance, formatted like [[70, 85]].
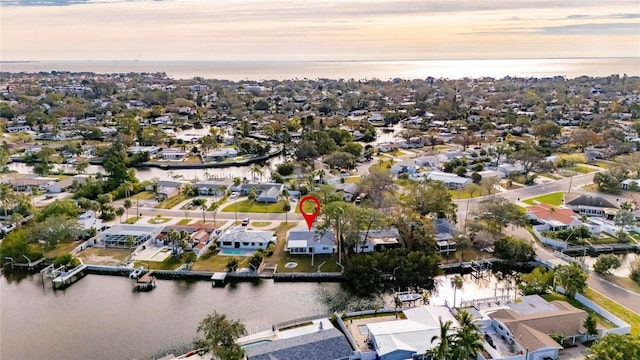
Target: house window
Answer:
[[226, 243]]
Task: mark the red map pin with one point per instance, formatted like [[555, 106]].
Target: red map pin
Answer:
[[309, 218]]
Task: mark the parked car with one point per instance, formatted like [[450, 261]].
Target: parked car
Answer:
[[233, 195], [245, 221], [489, 340]]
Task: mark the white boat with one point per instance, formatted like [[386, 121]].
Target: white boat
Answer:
[[136, 273]]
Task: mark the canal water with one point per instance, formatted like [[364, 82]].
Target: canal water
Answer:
[[201, 174], [100, 317]]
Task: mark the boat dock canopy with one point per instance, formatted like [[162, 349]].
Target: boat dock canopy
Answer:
[[146, 278], [219, 276]]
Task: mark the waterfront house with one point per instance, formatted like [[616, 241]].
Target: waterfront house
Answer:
[[217, 187], [117, 235], [528, 324], [173, 154], [310, 242], [375, 240], [66, 184], [238, 237], [269, 193], [404, 339], [220, 155], [556, 218], [320, 344], [167, 193], [590, 205]]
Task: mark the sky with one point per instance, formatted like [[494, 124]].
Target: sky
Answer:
[[307, 30]]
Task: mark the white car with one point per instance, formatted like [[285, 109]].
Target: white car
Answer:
[[245, 221], [233, 195]]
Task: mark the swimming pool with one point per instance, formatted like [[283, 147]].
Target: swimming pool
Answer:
[[255, 343], [236, 252]]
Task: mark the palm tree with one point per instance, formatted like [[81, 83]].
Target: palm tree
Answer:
[[256, 169], [7, 197], [203, 206], [127, 205], [321, 173], [120, 212], [456, 283], [468, 341], [173, 236], [441, 351], [397, 304], [286, 206]]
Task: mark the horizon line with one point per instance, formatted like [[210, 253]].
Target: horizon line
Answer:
[[324, 61]]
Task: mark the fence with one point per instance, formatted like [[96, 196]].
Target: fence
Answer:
[[545, 240], [621, 328]]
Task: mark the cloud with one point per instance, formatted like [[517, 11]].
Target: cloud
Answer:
[[610, 16], [593, 29]]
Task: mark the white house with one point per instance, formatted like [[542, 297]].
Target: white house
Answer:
[[372, 240], [173, 154], [452, 181], [310, 242], [238, 237], [222, 154], [117, 235], [18, 128], [403, 339]]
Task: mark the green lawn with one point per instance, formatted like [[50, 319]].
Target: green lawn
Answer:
[[404, 182], [260, 223], [583, 169], [169, 263], [184, 222], [605, 164], [250, 206], [132, 220], [144, 195], [550, 176], [576, 158], [214, 262], [383, 165], [158, 220], [309, 207], [601, 321], [554, 199], [60, 249], [463, 194], [353, 179], [616, 309], [171, 203]]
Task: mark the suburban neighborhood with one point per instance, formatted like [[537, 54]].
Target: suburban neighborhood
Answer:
[[426, 187]]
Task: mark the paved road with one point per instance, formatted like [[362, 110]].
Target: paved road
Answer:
[[566, 184], [626, 298]]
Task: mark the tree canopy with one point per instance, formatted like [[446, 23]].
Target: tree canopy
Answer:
[[219, 336]]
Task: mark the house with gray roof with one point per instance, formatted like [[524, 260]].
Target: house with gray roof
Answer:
[[590, 205], [328, 344], [372, 240], [117, 235], [310, 242], [238, 237]]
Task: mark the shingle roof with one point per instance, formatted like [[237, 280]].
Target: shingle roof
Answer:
[[322, 345], [586, 200], [546, 212]]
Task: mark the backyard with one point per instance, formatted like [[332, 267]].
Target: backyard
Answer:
[[172, 202], [252, 206]]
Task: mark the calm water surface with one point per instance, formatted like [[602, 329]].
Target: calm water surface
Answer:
[[99, 317], [280, 70]]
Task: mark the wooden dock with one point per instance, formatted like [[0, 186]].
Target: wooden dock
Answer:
[[146, 282], [67, 278]]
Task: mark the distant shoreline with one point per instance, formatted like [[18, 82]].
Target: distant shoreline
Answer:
[[249, 70]]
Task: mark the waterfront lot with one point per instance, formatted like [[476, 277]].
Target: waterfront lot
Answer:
[[104, 256]]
